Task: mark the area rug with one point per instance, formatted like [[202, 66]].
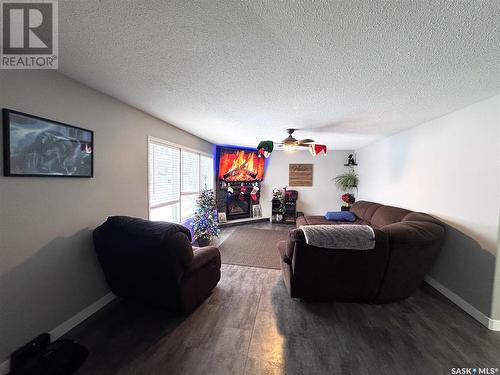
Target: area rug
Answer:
[[252, 247]]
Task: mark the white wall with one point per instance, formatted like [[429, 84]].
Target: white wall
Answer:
[[48, 270], [449, 168], [495, 304], [315, 200]]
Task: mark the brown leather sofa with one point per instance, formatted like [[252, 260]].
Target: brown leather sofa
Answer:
[[154, 262], [406, 245]]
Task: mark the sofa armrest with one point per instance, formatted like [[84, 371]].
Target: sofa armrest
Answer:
[[286, 248], [202, 256], [285, 255]]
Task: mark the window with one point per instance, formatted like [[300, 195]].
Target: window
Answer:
[[176, 176], [164, 183], [206, 172], [190, 172]]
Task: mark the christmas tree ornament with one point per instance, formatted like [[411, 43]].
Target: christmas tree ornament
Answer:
[[265, 148], [316, 149]]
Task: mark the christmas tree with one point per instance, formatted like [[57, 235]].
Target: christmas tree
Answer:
[[204, 222]]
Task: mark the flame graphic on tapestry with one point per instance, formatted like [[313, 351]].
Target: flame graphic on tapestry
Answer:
[[240, 165]]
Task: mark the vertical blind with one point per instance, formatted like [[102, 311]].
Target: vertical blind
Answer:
[[175, 178]]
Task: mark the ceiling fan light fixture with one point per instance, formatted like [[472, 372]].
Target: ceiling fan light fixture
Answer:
[[290, 143]]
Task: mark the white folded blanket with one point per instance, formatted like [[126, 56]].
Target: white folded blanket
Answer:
[[343, 236]]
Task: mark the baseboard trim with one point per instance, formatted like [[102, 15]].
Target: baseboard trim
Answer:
[[482, 318], [69, 324], [72, 322], [494, 325]]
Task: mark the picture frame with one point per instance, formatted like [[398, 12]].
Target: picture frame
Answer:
[[38, 147], [256, 210], [222, 218], [300, 174]]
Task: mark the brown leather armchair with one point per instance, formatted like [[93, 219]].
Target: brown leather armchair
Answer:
[[154, 262]]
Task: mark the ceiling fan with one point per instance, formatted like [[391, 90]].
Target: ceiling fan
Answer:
[[290, 144]]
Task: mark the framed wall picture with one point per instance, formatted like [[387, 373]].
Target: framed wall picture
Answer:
[[300, 175], [38, 147], [256, 210], [222, 217]]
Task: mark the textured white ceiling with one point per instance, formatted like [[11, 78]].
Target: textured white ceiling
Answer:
[[236, 72]]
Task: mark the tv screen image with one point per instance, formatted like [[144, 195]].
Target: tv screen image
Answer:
[[34, 146], [240, 166]]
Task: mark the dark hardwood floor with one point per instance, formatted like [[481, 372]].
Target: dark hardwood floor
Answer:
[[250, 326]]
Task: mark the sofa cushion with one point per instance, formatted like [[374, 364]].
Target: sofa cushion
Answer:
[[386, 215], [365, 210], [420, 216], [152, 230], [416, 233], [313, 220]]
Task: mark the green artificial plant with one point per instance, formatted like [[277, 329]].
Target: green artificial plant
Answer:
[[348, 181]]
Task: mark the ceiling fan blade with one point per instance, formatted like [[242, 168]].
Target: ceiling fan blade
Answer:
[[307, 140], [289, 140]]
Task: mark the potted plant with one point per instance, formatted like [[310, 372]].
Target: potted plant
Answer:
[[347, 182], [204, 223]]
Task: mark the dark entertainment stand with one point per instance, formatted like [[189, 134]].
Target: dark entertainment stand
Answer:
[[290, 205]]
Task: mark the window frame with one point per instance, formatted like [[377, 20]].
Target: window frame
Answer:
[[180, 148]]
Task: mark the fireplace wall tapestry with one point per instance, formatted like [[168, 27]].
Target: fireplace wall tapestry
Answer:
[[34, 146], [237, 165]]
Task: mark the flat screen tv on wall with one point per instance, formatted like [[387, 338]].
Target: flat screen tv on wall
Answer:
[[38, 147], [240, 165]]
